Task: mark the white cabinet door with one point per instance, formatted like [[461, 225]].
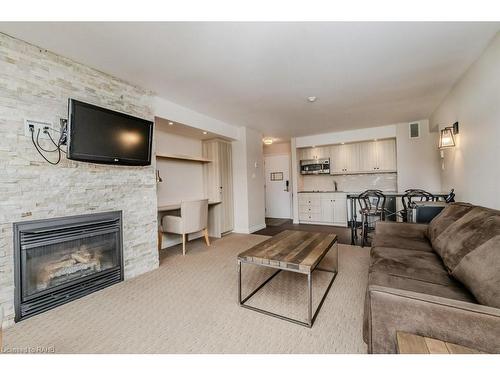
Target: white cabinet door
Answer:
[[351, 157], [386, 155], [327, 210], [336, 159], [368, 157], [340, 210]]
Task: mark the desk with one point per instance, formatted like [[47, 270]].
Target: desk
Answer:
[[353, 197], [213, 217], [177, 206]]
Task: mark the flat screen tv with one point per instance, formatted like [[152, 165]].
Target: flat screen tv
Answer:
[[100, 135]]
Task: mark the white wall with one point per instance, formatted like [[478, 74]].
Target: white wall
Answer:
[[248, 182], [175, 173], [278, 148], [388, 131], [418, 159], [168, 110], [472, 167]]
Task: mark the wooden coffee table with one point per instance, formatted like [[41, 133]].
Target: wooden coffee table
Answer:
[[293, 251]]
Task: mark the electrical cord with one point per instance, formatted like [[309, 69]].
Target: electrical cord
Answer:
[[58, 144], [38, 150], [38, 142]]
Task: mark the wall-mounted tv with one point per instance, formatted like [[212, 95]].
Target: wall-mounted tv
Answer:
[[100, 135]]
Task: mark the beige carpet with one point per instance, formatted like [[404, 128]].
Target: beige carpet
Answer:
[[189, 305]]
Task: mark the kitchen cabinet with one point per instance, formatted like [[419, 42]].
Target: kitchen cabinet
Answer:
[[386, 155], [310, 153], [344, 158], [378, 156], [219, 179], [323, 208]]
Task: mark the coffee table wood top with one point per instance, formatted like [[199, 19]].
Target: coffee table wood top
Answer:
[[414, 344], [291, 250]]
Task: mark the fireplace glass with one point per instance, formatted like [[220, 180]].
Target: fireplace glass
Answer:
[[56, 264]]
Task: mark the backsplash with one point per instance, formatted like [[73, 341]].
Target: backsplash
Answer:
[[349, 183]]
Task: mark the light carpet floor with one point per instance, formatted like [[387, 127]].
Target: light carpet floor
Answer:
[[189, 305]]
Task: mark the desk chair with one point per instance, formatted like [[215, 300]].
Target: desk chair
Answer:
[[194, 218]]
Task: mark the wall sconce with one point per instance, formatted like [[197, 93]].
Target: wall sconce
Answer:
[[447, 138], [158, 177]]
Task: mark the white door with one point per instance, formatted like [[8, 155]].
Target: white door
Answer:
[[278, 188]]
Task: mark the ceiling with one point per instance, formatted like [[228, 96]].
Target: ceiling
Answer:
[[173, 127], [260, 74]]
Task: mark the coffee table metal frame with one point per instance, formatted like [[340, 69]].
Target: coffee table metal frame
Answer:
[[310, 316]]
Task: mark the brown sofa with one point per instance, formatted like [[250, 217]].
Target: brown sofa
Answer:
[[440, 280]]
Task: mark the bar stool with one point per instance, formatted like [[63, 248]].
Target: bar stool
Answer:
[[372, 203], [412, 195]]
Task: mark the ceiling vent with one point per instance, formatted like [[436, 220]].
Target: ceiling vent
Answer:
[[414, 130]]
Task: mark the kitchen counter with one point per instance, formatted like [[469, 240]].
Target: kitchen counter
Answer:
[[321, 191]]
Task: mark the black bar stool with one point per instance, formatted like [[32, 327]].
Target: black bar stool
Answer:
[[412, 195], [372, 203]]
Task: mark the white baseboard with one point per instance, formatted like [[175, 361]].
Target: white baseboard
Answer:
[[252, 229], [257, 227]]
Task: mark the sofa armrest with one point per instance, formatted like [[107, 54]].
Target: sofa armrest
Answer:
[[468, 324], [390, 228]]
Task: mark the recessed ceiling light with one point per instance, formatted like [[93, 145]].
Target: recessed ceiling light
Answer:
[[205, 133], [170, 123], [311, 99], [375, 139], [343, 143], [268, 141]]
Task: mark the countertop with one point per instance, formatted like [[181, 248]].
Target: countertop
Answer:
[[322, 191]]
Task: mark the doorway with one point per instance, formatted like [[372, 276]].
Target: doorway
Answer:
[[278, 188]]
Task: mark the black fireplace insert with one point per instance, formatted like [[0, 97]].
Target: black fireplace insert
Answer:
[[60, 260]]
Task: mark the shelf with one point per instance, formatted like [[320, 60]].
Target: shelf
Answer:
[[196, 159]]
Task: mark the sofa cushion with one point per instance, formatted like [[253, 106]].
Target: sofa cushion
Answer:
[[411, 264], [445, 218], [470, 251], [404, 243]]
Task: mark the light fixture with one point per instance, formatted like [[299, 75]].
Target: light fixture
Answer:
[[311, 99], [268, 141], [205, 133], [447, 136], [170, 123]]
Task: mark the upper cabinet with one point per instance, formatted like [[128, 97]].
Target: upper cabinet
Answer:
[[344, 158], [310, 153], [386, 155], [358, 157], [378, 156]]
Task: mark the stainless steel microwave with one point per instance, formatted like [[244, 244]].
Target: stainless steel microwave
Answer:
[[315, 166]]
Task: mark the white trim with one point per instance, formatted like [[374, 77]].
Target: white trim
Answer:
[[251, 229]]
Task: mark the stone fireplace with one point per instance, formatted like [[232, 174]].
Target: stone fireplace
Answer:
[[36, 86], [59, 260]]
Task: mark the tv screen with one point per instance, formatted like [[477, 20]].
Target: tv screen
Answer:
[[100, 135]]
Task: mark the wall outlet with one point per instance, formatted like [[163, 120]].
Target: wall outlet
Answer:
[[40, 125]]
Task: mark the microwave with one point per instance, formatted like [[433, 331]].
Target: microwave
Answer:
[[315, 166]]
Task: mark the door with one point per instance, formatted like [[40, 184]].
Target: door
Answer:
[[278, 189]]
